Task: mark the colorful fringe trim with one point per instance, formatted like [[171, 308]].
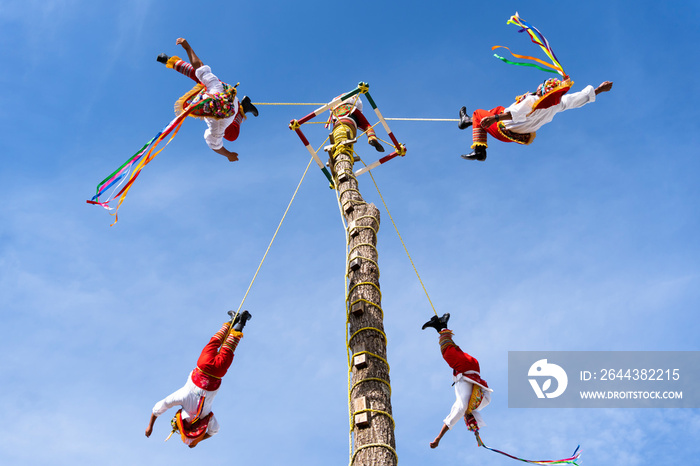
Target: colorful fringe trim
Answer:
[[445, 340], [233, 339], [538, 39], [572, 460], [520, 138], [221, 334], [137, 161], [181, 66], [186, 100]]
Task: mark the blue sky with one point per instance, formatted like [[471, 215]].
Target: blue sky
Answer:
[[585, 240]]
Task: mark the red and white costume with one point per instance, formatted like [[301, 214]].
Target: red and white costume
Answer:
[[471, 391], [197, 396], [218, 129], [521, 129]]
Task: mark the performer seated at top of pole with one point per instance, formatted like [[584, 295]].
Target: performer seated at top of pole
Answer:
[[352, 107], [471, 391], [519, 122], [224, 114], [195, 421]]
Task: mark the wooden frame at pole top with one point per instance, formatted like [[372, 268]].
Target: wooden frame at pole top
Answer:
[[362, 88]]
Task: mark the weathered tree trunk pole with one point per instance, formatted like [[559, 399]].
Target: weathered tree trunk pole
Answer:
[[370, 397]]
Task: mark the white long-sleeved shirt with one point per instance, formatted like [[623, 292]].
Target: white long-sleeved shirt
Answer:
[[523, 123], [214, 134], [463, 391], [188, 397]]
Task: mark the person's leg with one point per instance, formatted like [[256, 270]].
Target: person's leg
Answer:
[[479, 134], [220, 363], [457, 359], [194, 59], [178, 64], [210, 351], [248, 106], [364, 125], [181, 66], [225, 357], [233, 129]]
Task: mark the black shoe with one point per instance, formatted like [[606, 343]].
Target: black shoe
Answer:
[[376, 144], [243, 317], [162, 58], [478, 154], [438, 323], [465, 121], [248, 107]]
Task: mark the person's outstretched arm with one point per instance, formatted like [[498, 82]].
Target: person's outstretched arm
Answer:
[[194, 59], [149, 429], [231, 156], [604, 87], [436, 442]]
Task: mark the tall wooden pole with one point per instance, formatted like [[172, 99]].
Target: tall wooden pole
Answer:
[[370, 390]]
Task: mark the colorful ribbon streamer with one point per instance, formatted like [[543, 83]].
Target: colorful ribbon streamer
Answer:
[[537, 38], [571, 460], [137, 161]]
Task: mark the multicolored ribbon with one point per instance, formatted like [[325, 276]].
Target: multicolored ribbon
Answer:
[[137, 161], [571, 460], [537, 38]]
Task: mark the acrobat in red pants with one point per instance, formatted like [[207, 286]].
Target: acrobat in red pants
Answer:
[[195, 420], [471, 391]]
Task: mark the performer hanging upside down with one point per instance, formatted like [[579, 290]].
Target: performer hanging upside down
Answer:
[[224, 114], [195, 421], [353, 108], [472, 393], [530, 112]]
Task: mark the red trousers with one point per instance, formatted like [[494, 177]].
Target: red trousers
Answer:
[[214, 361], [457, 359], [460, 361], [479, 133]]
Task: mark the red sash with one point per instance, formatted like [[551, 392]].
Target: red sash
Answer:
[[205, 381]]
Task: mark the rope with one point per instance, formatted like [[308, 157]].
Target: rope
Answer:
[[369, 445], [423, 119], [274, 236], [376, 356], [368, 302], [368, 328], [368, 260], [366, 283], [371, 379], [370, 410], [402, 242], [324, 103], [286, 103]]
